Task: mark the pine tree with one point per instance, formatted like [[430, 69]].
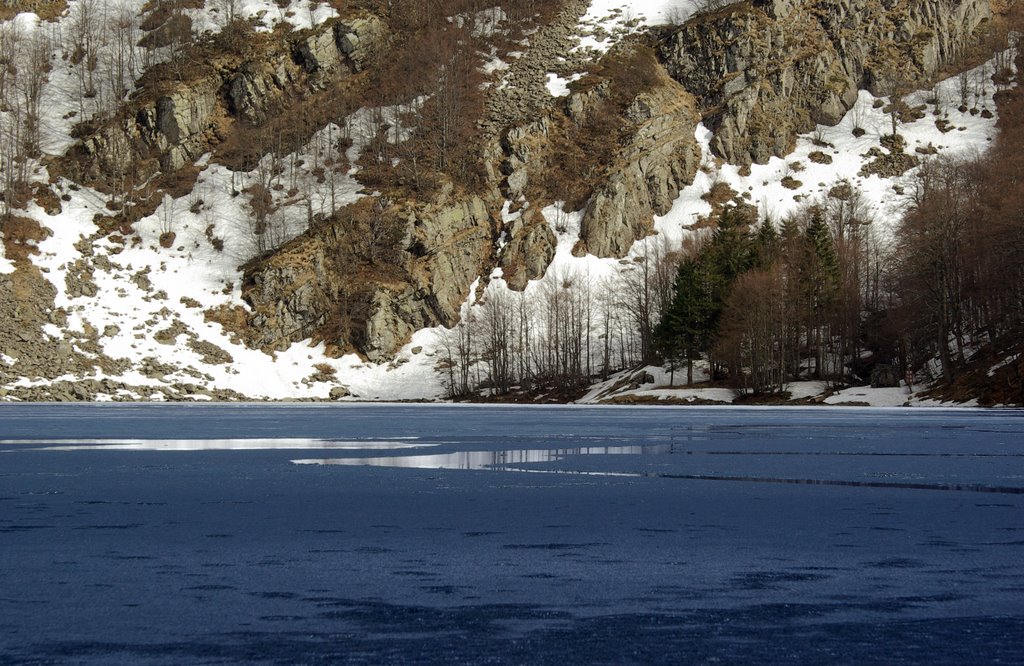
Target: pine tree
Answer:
[[819, 278], [686, 327], [730, 252], [767, 245]]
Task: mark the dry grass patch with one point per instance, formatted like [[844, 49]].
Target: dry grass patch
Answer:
[[47, 10], [21, 235]]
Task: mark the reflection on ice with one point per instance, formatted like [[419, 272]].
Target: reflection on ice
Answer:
[[215, 444], [493, 460]]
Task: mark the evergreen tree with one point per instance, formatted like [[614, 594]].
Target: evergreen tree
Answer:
[[818, 276], [686, 327], [730, 252], [767, 245]]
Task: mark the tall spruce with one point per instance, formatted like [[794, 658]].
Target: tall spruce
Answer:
[[819, 277], [686, 327]]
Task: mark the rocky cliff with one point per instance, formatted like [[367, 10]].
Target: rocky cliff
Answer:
[[769, 69], [321, 286], [659, 160], [647, 154], [620, 147], [184, 111]]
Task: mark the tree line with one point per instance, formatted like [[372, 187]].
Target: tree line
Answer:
[[820, 295], [565, 330], [824, 296]]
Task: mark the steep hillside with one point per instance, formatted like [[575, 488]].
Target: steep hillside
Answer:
[[307, 202]]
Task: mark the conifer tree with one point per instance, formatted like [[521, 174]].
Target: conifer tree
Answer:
[[767, 245], [687, 325], [818, 274]]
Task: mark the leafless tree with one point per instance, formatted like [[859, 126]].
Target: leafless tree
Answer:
[[33, 70], [87, 21], [929, 246], [10, 39], [753, 337], [498, 327], [458, 356]]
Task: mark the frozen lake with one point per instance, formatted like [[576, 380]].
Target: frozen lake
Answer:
[[397, 534]]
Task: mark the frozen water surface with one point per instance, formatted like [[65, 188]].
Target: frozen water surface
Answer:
[[207, 444], [187, 534]]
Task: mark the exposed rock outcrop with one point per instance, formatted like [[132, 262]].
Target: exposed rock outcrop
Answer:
[[656, 156], [660, 160], [316, 287], [767, 70], [179, 118], [362, 39], [530, 250]]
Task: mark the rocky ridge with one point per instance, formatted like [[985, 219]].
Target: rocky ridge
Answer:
[[767, 70], [179, 118], [773, 69], [757, 73]]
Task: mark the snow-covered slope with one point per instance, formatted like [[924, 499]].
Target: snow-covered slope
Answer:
[[146, 306]]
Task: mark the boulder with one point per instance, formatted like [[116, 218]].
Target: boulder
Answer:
[[884, 376]]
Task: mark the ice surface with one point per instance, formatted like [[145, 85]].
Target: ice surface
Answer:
[[282, 443], [237, 553], [234, 552]]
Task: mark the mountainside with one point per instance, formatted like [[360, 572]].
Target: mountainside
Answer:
[[402, 201]]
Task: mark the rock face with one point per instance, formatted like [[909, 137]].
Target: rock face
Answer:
[[304, 291], [661, 159], [362, 40], [163, 133], [658, 157], [767, 70], [757, 73], [178, 121], [529, 251]]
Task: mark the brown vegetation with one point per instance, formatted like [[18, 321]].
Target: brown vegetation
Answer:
[[21, 236], [47, 10], [585, 145]]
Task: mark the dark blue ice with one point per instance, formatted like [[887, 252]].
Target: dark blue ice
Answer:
[[647, 536]]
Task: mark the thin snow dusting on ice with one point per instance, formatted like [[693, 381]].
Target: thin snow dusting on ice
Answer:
[[510, 460]]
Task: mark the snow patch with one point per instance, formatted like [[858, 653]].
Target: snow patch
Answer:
[[6, 265], [558, 86], [608, 21], [298, 14]]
